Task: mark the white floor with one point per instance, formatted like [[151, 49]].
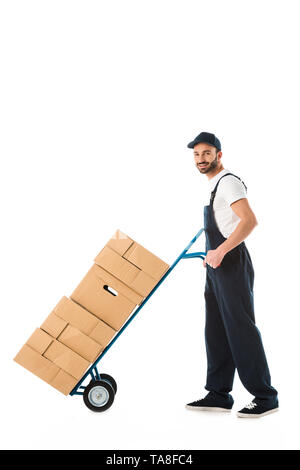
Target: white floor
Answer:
[[141, 422]]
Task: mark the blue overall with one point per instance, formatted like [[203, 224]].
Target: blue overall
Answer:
[[232, 339]]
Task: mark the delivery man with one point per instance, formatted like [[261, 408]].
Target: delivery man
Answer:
[[232, 339]]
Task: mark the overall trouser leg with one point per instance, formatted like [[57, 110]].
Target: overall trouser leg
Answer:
[[220, 365], [234, 291]]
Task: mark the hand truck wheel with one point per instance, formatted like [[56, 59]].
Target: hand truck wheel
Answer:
[[110, 380], [98, 395]]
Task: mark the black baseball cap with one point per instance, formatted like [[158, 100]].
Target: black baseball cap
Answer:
[[205, 138]]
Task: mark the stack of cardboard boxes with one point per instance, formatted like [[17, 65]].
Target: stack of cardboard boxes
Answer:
[[80, 327]]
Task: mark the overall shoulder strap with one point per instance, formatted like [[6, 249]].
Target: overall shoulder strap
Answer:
[[213, 193]]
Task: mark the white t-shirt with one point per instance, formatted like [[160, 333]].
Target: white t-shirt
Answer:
[[230, 189]]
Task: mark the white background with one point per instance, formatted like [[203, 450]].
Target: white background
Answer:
[[98, 102]]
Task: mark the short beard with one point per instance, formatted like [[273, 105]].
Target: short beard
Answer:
[[211, 166]]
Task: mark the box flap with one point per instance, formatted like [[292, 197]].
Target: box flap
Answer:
[[54, 325], [80, 343], [39, 341], [66, 359], [146, 261], [37, 364], [102, 333], [116, 265], [76, 315], [120, 242], [63, 382]]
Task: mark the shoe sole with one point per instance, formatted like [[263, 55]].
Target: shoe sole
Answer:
[[244, 415], [207, 408]]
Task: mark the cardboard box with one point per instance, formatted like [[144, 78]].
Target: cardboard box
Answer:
[[66, 359], [78, 329], [131, 263], [120, 242], [63, 382], [76, 315], [125, 271], [116, 285], [102, 333], [39, 341], [45, 369], [146, 261], [54, 362], [80, 343], [61, 363], [103, 300], [68, 313], [138, 255], [53, 325], [36, 363]]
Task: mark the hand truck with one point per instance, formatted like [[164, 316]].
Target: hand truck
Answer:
[[99, 394]]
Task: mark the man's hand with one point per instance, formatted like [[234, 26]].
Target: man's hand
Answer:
[[214, 258]]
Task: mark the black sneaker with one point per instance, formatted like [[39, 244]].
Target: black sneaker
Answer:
[[256, 410], [211, 402]]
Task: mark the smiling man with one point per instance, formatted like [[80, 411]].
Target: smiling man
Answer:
[[232, 339]]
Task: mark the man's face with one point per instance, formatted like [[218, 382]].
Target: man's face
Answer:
[[206, 157]]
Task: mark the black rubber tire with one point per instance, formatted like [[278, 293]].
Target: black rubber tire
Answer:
[[107, 387], [109, 379]]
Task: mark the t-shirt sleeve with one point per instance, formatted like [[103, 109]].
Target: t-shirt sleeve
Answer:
[[233, 189]]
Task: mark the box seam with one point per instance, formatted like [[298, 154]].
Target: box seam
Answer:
[[93, 314]]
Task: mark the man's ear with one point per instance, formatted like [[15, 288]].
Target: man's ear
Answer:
[[219, 155]]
